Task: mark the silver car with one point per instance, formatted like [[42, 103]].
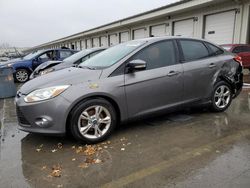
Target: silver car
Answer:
[[128, 81]]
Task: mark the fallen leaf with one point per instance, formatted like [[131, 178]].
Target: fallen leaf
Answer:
[[97, 161], [90, 150], [60, 145], [44, 167], [79, 149], [123, 139], [83, 165], [89, 160], [100, 148], [38, 149], [56, 171]]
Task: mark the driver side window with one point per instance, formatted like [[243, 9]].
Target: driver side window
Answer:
[[160, 54], [49, 55]]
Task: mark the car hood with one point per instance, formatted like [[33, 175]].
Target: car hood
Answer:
[[68, 76], [63, 66], [46, 64]]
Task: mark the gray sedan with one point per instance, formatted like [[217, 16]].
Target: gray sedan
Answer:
[[129, 81]]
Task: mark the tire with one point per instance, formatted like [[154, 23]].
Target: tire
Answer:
[[221, 97], [85, 116], [21, 75]]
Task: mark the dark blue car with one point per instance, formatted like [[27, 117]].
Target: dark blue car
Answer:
[[23, 67]]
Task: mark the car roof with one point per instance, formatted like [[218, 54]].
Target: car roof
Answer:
[[233, 45], [154, 39]]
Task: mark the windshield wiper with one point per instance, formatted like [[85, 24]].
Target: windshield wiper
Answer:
[[86, 67]]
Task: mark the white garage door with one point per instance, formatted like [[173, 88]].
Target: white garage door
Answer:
[[158, 30], [113, 40], [184, 28], [139, 33], [83, 44], [124, 37], [96, 42], [219, 28], [88, 43], [104, 41], [78, 45]]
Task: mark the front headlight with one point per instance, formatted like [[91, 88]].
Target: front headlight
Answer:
[[44, 94], [46, 71]]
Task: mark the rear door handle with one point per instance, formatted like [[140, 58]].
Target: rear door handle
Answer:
[[212, 65], [173, 73]]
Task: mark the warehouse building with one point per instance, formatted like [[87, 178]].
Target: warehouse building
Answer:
[[220, 21]]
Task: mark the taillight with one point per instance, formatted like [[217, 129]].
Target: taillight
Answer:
[[238, 59]]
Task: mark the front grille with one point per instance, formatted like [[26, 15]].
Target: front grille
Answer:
[[21, 117]]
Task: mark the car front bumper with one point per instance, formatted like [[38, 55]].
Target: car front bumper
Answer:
[[46, 117]]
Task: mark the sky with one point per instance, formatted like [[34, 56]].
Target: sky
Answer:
[[27, 23]]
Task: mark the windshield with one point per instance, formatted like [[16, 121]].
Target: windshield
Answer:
[[32, 55], [75, 57], [112, 55]]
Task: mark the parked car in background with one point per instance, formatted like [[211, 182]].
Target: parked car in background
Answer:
[[127, 81], [71, 61], [24, 66], [242, 50]]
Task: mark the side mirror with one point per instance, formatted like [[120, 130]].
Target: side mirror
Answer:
[[136, 64]]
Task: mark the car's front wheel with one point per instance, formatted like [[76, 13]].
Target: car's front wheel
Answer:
[[21, 75], [93, 120], [221, 97]]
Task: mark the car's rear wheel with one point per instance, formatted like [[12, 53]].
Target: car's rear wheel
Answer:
[[21, 75], [221, 97], [93, 120]]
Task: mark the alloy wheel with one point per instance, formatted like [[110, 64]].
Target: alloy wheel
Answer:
[[22, 75], [222, 96], [94, 122]]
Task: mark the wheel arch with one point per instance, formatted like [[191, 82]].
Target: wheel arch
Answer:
[[23, 67], [98, 96]]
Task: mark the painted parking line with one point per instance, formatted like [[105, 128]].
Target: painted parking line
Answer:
[[195, 153], [246, 85]]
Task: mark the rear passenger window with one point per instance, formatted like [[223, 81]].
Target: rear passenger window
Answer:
[[157, 55], [214, 49], [193, 50], [240, 49], [65, 54]]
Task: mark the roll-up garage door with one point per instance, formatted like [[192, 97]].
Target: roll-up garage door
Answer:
[[104, 41], [139, 33], [219, 28], [83, 45], [78, 46], [184, 28], [113, 40], [96, 42], [88, 43], [158, 30], [124, 36]]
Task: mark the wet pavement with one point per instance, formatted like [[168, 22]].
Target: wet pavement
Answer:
[[194, 148]]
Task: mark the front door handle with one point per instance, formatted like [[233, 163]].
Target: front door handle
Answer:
[[173, 73], [212, 65]]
